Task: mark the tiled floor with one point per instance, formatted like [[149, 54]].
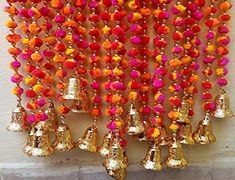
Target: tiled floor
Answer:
[[190, 173]]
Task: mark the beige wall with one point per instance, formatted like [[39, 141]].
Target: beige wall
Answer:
[[11, 144]]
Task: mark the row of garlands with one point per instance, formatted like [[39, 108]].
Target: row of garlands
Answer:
[[63, 51]]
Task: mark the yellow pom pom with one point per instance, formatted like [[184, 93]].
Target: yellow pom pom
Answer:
[[132, 95], [174, 127], [219, 71], [107, 72], [155, 133], [25, 41], [30, 80], [70, 51], [38, 88], [106, 30], [117, 58], [117, 71]]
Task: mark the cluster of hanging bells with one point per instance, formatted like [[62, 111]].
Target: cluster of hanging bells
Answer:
[[39, 145]]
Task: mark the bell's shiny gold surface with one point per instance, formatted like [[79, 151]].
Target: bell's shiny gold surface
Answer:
[[164, 139], [89, 140], [63, 141], [72, 91], [104, 148], [51, 123], [18, 121], [118, 174], [185, 134], [81, 106], [38, 144], [222, 103], [134, 124], [184, 110], [175, 158], [204, 133], [116, 159], [152, 159]]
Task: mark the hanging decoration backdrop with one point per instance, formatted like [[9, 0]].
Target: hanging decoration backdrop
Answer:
[[136, 64]]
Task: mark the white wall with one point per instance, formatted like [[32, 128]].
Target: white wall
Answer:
[[11, 144]]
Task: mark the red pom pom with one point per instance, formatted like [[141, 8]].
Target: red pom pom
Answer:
[[94, 32], [225, 17], [39, 73], [59, 47], [189, 21], [135, 85], [175, 101], [185, 84], [206, 85], [70, 64], [207, 95], [49, 66], [107, 3], [105, 16], [95, 46], [119, 15], [30, 93]]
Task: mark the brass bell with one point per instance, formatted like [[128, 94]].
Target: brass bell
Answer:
[[104, 148], [51, 123], [185, 134], [18, 120], [116, 159], [63, 140], [118, 174], [152, 159], [204, 133], [222, 109], [72, 91], [184, 110], [134, 124], [38, 144], [89, 140], [164, 139], [175, 158], [81, 105]]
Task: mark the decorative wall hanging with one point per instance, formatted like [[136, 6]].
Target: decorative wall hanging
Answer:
[[74, 56]]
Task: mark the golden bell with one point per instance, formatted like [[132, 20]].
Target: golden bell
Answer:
[[222, 109], [89, 140], [185, 134], [164, 139], [175, 158], [118, 174], [134, 124], [38, 144], [204, 133], [116, 159], [51, 123], [152, 159], [184, 110], [18, 120], [81, 106], [63, 140], [104, 148], [72, 91]]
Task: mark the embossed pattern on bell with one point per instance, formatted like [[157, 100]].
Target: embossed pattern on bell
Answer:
[[134, 124], [72, 91], [18, 121], [89, 140], [222, 106]]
